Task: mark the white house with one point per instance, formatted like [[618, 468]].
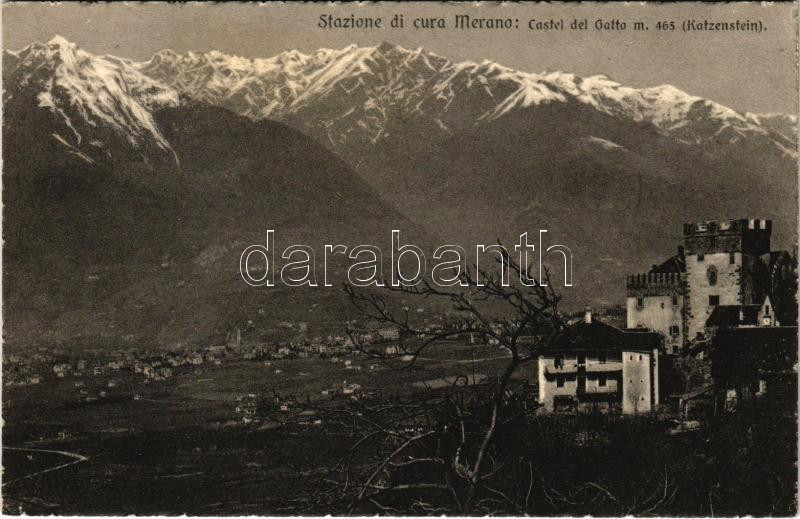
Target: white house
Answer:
[[594, 364]]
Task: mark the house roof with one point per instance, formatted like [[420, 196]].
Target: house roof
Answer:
[[727, 316], [597, 335], [691, 395], [676, 263]]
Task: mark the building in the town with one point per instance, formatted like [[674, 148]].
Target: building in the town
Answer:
[[594, 364]]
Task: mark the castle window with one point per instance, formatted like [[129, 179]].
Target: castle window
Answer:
[[766, 310], [639, 302], [732, 258], [559, 361], [711, 273], [560, 381], [674, 300], [601, 381], [700, 256], [713, 300], [674, 330]]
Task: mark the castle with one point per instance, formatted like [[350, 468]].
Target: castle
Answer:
[[724, 284], [721, 264]]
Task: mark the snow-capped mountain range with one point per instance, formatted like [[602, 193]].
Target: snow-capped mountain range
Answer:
[[90, 96], [344, 97], [133, 175], [372, 84]]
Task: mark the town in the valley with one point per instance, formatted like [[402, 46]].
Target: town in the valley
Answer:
[[280, 260], [703, 338], [700, 332]]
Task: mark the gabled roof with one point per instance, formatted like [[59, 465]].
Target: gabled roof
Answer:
[[691, 395], [676, 263], [596, 335], [729, 316]]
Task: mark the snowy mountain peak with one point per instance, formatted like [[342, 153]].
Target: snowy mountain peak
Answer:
[[356, 94], [60, 41], [89, 95], [385, 46], [355, 91]]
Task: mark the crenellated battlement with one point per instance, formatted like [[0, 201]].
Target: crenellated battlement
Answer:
[[670, 279], [720, 263], [716, 227], [749, 236]]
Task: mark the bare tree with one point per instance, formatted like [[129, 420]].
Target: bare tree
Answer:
[[465, 448], [436, 451]]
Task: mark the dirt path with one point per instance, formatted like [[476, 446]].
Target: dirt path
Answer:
[[75, 458]]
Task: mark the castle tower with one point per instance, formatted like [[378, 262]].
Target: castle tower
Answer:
[[656, 302], [722, 266]]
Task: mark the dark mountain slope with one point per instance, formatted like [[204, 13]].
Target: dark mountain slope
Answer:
[[156, 255]]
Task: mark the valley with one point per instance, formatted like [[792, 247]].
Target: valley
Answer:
[[195, 246]]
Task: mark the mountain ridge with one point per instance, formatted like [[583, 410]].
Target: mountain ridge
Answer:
[[425, 75], [381, 82], [138, 170]]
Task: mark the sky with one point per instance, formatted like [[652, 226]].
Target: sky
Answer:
[[745, 71]]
